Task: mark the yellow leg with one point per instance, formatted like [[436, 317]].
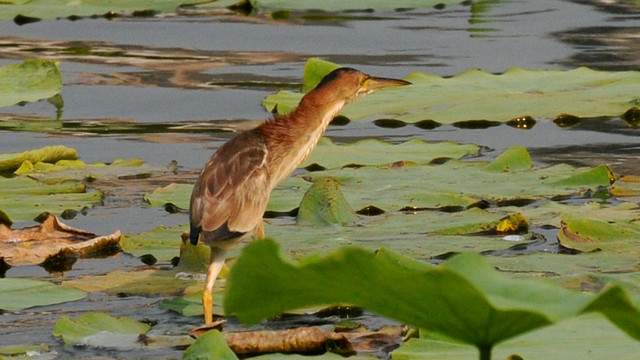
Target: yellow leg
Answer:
[[258, 233], [207, 303], [215, 266]]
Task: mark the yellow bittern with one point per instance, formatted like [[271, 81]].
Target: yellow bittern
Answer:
[[231, 194]]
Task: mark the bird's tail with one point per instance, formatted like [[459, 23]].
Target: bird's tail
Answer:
[[194, 234]]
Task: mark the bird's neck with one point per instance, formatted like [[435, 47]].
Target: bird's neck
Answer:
[[291, 138]]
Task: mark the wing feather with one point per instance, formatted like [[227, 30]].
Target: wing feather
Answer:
[[232, 190]]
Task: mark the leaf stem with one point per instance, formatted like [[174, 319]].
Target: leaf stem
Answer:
[[485, 351]]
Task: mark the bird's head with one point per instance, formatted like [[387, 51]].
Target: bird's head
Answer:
[[347, 84]]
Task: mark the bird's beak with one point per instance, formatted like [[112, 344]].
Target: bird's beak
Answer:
[[375, 83]]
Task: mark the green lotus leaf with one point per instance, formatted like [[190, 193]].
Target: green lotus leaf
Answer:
[[515, 158], [22, 350], [329, 155], [79, 170], [147, 282], [333, 6], [191, 305], [72, 331], [589, 234], [424, 234], [377, 152], [588, 336], [478, 95], [163, 242], [464, 299], [48, 154], [23, 198], [32, 80], [324, 204], [176, 194], [418, 185], [454, 183], [51, 9], [626, 186], [19, 294], [210, 346]]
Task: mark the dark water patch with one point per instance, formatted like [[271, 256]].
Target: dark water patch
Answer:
[[476, 124]]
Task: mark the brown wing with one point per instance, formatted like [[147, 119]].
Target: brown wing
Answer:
[[231, 193]]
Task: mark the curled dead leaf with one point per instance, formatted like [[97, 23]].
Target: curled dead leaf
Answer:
[[306, 340], [300, 340], [50, 241]]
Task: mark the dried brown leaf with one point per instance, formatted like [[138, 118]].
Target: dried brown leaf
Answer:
[[300, 340], [52, 238]]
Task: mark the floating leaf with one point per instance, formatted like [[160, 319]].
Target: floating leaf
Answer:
[[329, 155], [79, 170], [378, 152], [176, 194], [191, 304], [23, 198], [32, 80], [19, 294], [324, 204], [162, 242], [50, 9], [478, 95], [465, 298], [332, 6], [455, 183], [625, 186], [141, 282], [588, 234], [73, 331], [597, 175], [210, 346], [22, 350], [48, 154], [515, 158]]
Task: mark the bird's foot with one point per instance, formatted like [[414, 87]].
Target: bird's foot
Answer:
[[197, 332]]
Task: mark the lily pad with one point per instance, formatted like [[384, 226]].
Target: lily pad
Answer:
[[591, 234], [175, 194], [210, 346], [464, 299], [377, 152], [73, 331], [149, 282], [23, 198], [456, 183], [51, 9], [162, 242], [324, 204], [19, 294], [626, 186], [406, 185], [332, 6], [32, 80], [79, 170], [478, 95], [422, 234], [48, 154], [191, 304]]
